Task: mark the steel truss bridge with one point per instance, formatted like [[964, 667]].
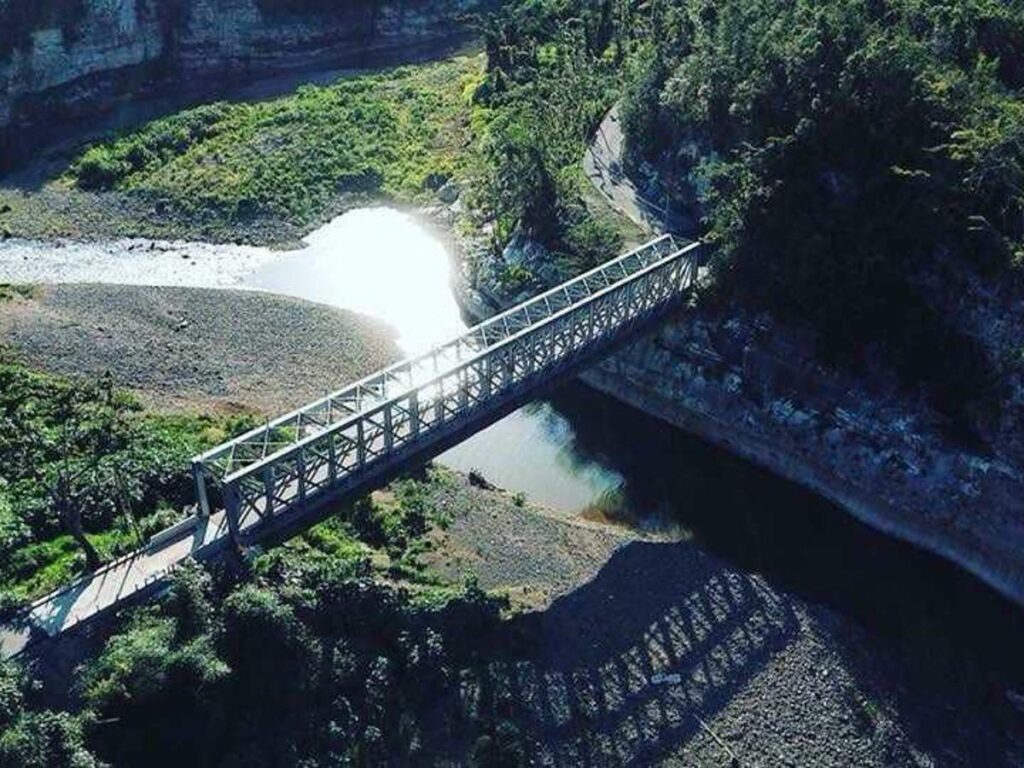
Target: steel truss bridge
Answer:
[[271, 477], [279, 477]]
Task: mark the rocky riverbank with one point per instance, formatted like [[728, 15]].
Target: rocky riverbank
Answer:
[[750, 384], [635, 650], [195, 349]]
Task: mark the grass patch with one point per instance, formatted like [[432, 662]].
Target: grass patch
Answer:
[[41, 567], [14, 292]]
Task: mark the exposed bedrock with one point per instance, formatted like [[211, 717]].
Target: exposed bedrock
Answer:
[[755, 387]]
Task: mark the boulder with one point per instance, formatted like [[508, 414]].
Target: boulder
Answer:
[[523, 252], [449, 193]]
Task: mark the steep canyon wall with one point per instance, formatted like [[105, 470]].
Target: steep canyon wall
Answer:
[[62, 61]]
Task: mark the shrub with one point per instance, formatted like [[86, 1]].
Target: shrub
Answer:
[[100, 168]]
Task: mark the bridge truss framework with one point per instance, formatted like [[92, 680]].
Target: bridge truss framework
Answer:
[[340, 443]]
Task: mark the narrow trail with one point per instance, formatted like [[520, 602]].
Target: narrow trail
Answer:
[[602, 163]]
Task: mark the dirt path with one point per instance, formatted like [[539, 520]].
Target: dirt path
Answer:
[[602, 164]]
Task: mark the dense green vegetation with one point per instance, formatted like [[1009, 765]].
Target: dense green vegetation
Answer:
[[313, 653], [399, 134], [843, 150], [10, 291], [85, 474], [32, 736], [553, 70], [306, 657]]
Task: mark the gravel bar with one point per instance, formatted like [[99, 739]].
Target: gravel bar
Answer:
[[188, 348]]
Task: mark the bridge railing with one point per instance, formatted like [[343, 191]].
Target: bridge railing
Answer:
[[413, 405], [291, 428]]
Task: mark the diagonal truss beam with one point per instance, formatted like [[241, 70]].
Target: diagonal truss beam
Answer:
[[390, 414]]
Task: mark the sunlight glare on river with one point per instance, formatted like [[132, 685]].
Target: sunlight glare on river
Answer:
[[386, 264], [379, 262]]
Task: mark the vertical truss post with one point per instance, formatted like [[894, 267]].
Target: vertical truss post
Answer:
[[332, 460], [485, 384], [202, 499], [389, 430], [231, 511], [414, 415], [300, 463], [268, 489], [360, 444], [439, 403], [463, 380]]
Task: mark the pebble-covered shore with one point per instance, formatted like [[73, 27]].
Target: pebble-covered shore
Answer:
[[189, 348]]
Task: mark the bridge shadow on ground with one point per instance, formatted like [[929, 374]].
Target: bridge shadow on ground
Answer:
[[917, 630], [624, 669]]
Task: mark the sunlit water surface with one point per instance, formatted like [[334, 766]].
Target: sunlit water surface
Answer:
[[386, 264]]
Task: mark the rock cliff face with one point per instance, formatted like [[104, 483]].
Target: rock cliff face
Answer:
[[53, 71]]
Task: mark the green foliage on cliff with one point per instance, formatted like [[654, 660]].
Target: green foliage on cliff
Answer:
[[843, 150], [397, 134], [20, 18], [552, 74]]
